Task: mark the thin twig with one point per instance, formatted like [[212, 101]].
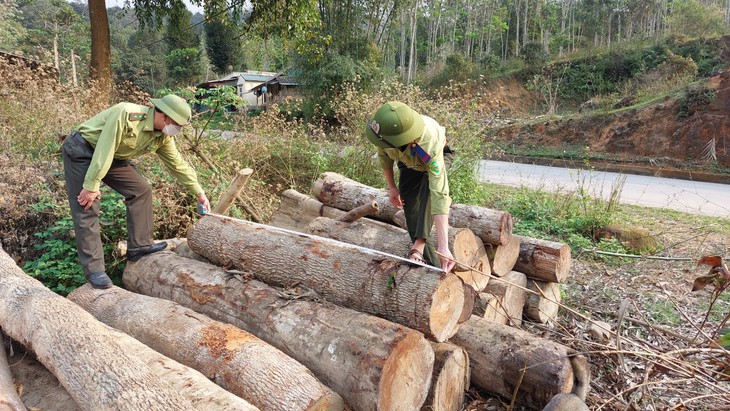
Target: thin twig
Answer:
[[647, 257]]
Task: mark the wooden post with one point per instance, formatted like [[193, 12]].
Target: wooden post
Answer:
[[229, 196]]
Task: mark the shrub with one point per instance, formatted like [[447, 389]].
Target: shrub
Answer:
[[534, 54], [695, 98]]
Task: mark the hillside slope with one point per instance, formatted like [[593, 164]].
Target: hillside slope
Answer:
[[652, 136]]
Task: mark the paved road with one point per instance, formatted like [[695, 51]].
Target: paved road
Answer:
[[689, 196]]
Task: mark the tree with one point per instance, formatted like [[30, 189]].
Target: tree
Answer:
[[183, 66], [695, 19], [179, 32], [100, 66], [9, 27], [222, 41]]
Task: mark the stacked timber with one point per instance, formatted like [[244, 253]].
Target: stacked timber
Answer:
[[372, 363], [100, 367], [546, 264], [525, 272], [234, 359]]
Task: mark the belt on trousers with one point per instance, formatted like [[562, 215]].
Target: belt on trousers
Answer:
[[78, 137]]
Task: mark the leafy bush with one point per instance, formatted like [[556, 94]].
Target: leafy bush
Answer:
[[695, 97], [58, 267], [534, 54]]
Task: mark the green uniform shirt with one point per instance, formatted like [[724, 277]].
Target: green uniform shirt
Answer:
[[432, 141], [126, 131]]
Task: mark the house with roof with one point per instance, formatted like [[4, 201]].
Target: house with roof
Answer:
[[256, 88]]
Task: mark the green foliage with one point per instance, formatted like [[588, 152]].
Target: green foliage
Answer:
[[457, 69], [11, 30], [695, 98], [221, 34], [534, 54], [696, 19], [183, 66], [58, 267], [179, 33]]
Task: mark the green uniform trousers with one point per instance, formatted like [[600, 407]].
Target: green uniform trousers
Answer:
[[124, 179], [414, 191]]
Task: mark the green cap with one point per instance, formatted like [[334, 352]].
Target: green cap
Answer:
[[394, 123], [175, 107]]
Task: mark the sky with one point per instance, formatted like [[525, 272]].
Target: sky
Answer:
[[120, 3]]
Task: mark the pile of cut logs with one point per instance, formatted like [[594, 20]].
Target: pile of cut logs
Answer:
[[318, 311]]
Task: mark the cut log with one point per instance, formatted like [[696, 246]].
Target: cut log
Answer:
[[472, 261], [543, 260], [509, 292], [542, 305], [489, 307], [88, 358], [229, 196], [450, 378], [505, 360], [492, 226], [297, 210], [38, 388], [335, 190], [184, 250], [400, 219], [411, 294], [470, 295], [504, 257], [9, 398], [372, 363], [468, 249], [234, 359]]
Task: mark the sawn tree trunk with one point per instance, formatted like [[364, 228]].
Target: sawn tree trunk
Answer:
[[372, 363], [234, 359], [414, 295]]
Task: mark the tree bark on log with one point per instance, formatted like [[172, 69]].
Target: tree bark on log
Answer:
[[89, 359], [450, 378], [504, 257], [372, 363], [38, 388], [543, 260], [543, 305], [510, 294], [411, 294], [505, 360], [297, 210], [234, 359], [335, 190], [468, 249], [9, 398]]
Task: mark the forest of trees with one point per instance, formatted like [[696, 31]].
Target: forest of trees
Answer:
[[160, 44]]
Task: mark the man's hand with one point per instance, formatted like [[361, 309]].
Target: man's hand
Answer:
[[86, 198], [204, 203], [446, 258], [395, 198]]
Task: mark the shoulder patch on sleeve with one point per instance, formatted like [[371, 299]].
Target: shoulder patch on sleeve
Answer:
[[434, 167], [137, 116]]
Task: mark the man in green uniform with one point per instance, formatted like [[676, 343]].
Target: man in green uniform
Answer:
[[100, 150], [417, 144]]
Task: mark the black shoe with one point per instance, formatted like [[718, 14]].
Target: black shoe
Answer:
[[134, 254], [99, 280]]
